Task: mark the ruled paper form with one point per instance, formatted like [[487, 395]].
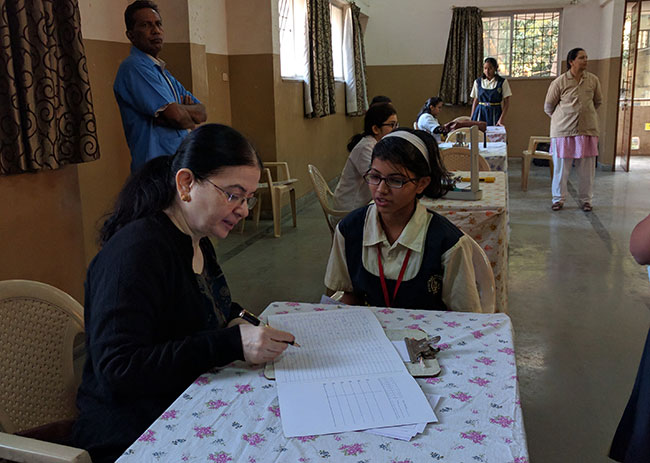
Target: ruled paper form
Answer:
[[346, 375]]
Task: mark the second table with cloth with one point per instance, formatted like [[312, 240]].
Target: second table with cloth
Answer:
[[232, 414], [485, 220]]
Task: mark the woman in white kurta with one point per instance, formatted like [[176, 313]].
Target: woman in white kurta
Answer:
[[571, 101], [352, 192]]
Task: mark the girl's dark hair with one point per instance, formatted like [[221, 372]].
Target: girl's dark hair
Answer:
[[494, 64], [376, 115], [205, 151], [433, 101], [572, 55], [401, 152], [380, 99]]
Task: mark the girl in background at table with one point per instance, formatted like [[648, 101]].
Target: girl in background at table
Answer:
[[491, 94], [158, 310], [427, 119], [631, 442], [396, 253], [352, 192]]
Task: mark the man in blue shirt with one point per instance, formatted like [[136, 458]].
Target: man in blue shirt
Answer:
[[156, 110]]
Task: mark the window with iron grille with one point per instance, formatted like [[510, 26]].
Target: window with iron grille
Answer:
[[524, 44]]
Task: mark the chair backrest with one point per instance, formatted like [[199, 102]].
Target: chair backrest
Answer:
[[37, 334], [462, 118], [535, 140], [451, 136], [415, 126], [325, 195], [484, 277], [459, 158]]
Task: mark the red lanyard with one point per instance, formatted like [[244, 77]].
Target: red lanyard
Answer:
[[384, 288]]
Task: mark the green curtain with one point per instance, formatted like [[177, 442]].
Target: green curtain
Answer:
[[354, 57], [319, 81], [46, 110], [464, 56]]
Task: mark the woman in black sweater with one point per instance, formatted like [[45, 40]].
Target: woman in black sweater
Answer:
[[158, 310]]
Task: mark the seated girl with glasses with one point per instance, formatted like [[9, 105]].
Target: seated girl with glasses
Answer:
[[158, 311], [352, 192], [396, 253]]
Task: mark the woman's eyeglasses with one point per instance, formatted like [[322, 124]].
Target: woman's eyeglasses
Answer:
[[236, 199], [393, 125], [393, 181]]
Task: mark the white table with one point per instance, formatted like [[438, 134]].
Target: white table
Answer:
[[495, 153], [496, 133], [232, 415]]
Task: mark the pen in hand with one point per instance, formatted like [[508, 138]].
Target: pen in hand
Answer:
[[253, 320]]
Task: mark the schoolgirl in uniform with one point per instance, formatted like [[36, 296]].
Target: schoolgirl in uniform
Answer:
[[491, 94], [394, 252]]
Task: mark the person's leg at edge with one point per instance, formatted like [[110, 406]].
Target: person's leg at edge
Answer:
[[561, 171], [586, 170]]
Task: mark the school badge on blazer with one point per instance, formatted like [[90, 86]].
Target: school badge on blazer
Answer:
[[434, 283]]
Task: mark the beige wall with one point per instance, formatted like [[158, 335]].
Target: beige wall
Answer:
[[41, 233]]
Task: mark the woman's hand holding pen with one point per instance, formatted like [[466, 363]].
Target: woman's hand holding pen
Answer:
[[263, 343]]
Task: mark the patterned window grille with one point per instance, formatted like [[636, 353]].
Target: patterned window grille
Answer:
[[524, 44]]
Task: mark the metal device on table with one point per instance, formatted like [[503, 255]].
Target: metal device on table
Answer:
[[474, 193]]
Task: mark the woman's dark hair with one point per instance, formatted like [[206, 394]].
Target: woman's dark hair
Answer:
[[433, 101], [571, 56], [205, 151], [380, 99], [400, 152], [376, 115], [494, 64], [135, 6]]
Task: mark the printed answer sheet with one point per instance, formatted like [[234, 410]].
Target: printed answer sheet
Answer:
[[346, 375]]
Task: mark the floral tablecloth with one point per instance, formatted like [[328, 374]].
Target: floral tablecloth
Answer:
[[496, 154], [486, 221], [232, 415], [496, 133]]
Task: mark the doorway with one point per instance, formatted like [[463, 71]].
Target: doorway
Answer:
[[633, 122]]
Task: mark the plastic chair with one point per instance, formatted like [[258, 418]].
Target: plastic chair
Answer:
[[533, 153], [325, 195], [415, 126], [277, 189], [484, 277], [459, 158], [451, 136], [37, 333], [461, 119]]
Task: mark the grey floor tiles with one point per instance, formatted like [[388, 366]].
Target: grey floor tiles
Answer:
[[579, 303]]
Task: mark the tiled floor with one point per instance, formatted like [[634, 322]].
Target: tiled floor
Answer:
[[578, 301]]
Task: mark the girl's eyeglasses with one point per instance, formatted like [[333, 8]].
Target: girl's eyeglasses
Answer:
[[393, 181], [236, 199], [393, 125]]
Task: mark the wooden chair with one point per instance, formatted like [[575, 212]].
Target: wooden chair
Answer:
[[484, 277], [38, 387], [277, 189], [458, 158], [451, 136], [325, 196], [533, 153]]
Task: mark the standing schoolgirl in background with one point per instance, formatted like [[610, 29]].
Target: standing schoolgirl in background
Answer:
[[396, 253], [491, 94], [427, 119]]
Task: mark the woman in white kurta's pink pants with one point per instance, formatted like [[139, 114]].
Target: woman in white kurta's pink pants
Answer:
[[571, 101]]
